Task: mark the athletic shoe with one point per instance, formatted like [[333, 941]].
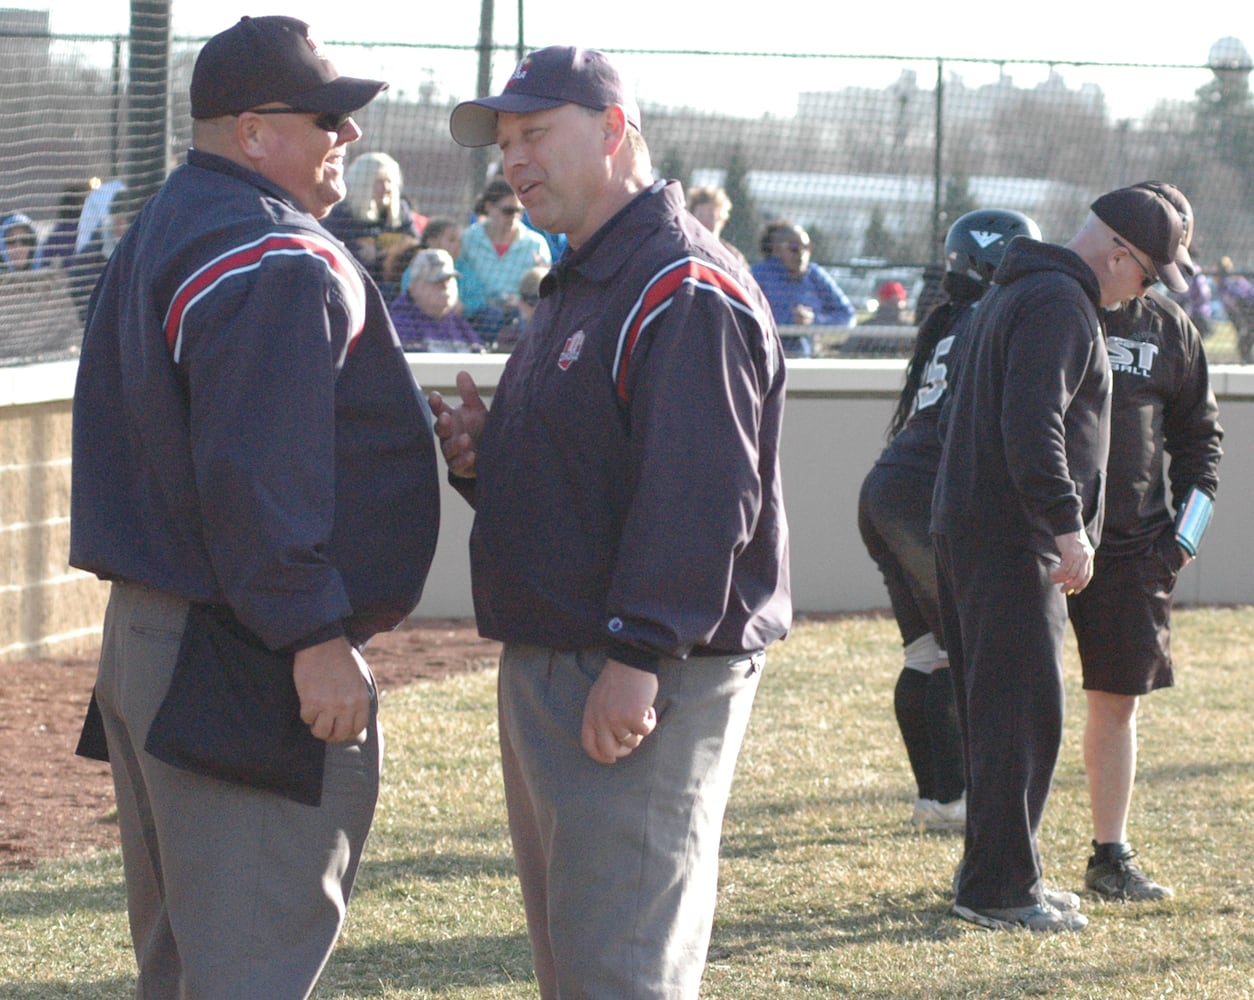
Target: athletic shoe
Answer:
[[1061, 900], [1039, 917], [932, 815], [1122, 879]]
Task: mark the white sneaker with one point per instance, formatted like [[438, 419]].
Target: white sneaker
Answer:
[[932, 815]]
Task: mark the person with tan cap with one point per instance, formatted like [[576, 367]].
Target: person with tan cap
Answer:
[[1016, 514], [254, 473], [629, 548], [1164, 429], [425, 313]]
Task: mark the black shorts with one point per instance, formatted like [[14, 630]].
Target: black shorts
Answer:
[[1122, 620]]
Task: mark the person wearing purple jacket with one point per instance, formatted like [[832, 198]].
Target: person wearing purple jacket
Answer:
[[629, 546], [425, 313]]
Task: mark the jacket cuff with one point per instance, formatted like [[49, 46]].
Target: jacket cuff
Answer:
[[334, 630], [634, 656]]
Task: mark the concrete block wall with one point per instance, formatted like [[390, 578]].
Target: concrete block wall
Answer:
[[834, 429], [46, 609]]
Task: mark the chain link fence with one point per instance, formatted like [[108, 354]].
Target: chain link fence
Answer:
[[874, 156]]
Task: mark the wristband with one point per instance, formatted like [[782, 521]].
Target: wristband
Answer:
[[1192, 519]]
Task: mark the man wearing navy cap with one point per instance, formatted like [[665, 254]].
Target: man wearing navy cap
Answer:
[[1016, 515], [254, 472], [629, 546]]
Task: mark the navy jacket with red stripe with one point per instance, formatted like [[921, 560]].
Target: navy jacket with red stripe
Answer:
[[628, 493], [246, 428]]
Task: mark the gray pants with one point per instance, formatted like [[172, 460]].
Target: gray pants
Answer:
[[232, 892], [619, 864]]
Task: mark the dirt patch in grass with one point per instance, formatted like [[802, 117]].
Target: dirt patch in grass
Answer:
[[54, 804]]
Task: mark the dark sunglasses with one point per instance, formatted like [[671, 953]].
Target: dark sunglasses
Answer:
[[1150, 278], [509, 209], [328, 121]]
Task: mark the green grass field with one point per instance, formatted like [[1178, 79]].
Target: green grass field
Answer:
[[826, 891]]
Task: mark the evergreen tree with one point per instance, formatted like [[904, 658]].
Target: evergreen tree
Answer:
[[878, 242], [958, 197], [673, 168], [1225, 111], [745, 223]]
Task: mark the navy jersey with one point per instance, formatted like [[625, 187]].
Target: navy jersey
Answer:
[[628, 493], [246, 428]]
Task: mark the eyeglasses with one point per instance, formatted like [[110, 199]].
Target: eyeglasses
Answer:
[[799, 247], [328, 121], [509, 209], [1150, 278]]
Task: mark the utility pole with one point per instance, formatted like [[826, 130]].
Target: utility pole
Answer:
[[479, 155], [148, 89]]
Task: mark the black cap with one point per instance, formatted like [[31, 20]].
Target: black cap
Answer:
[[546, 78], [264, 59], [1148, 221], [1184, 209]]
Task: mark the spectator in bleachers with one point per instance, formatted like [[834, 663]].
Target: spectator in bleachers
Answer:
[[712, 207], [19, 243], [800, 292], [374, 215], [100, 225], [59, 246], [37, 316], [395, 259], [890, 301], [1196, 302], [528, 299], [1237, 296], [443, 234], [425, 313], [496, 251]]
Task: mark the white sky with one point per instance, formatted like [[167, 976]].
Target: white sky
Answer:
[[1059, 30], [1075, 30]]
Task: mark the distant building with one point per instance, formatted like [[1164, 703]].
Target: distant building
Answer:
[[840, 205]]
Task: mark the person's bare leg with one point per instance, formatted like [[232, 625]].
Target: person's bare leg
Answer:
[[1110, 761]]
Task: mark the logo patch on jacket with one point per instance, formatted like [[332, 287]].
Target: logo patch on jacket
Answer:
[[570, 353]]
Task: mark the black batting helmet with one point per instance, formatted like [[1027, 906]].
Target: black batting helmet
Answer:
[[976, 241]]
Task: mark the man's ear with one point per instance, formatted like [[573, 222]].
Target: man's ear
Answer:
[[614, 127], [251, 136]]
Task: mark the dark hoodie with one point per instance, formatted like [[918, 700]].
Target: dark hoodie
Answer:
[[1027, 424]]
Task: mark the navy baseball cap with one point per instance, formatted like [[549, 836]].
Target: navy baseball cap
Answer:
[[546, 78], [264, 59], [1147, 220]]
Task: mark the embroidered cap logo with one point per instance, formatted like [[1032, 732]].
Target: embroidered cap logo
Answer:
[[520, 72]]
